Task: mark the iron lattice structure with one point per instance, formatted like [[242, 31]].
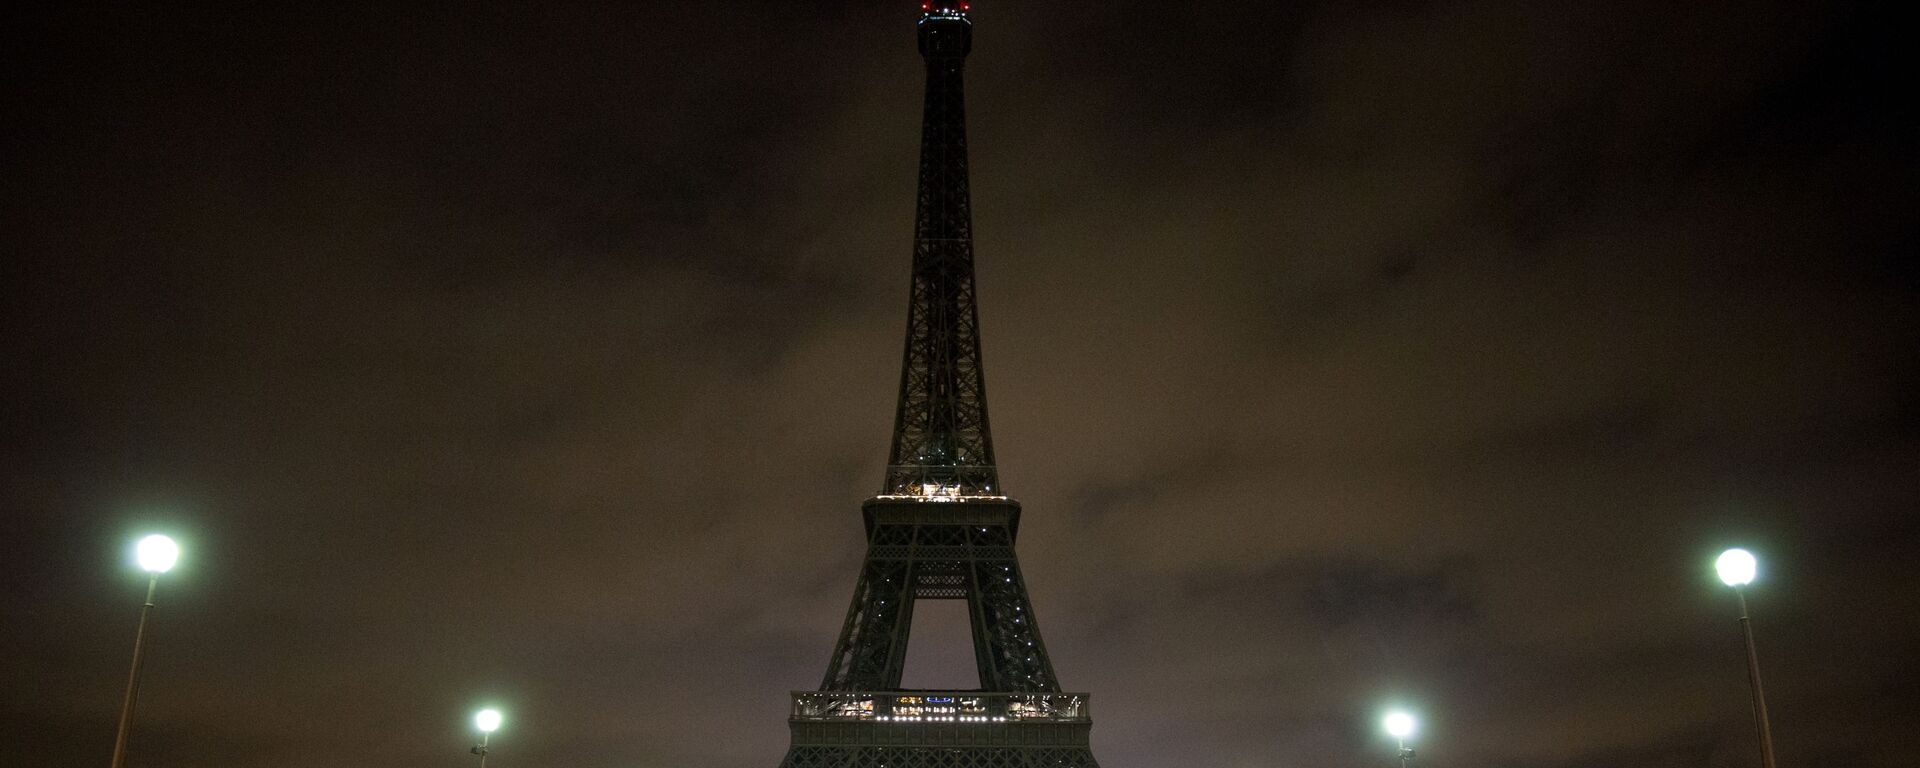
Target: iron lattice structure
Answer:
[[941, 529], [961, 551], [941, 444]]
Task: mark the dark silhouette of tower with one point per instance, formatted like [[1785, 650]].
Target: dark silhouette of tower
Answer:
[[941, 529]]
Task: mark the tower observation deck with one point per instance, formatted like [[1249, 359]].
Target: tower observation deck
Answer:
[[941, 528]]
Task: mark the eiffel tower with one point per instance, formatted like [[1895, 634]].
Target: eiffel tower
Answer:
[[941, 528]]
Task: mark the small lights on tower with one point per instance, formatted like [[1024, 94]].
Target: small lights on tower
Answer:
[[944, 9]]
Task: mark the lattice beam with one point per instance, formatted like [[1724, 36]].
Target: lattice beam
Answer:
[[942, 446]]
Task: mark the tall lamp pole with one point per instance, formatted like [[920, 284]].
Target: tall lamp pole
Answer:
[[156, 555], [488, 721], [1400, 726], [1737, 568]]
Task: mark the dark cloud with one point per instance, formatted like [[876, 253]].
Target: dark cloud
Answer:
[[1342, 354]]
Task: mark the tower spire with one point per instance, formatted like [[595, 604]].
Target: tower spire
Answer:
[[942, 448]]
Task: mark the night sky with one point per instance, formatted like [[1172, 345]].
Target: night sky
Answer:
[[1342, 354]]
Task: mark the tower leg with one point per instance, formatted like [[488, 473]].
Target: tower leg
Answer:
[[865, 657]]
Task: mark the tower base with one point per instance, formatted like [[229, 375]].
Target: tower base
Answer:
[[938, 757]]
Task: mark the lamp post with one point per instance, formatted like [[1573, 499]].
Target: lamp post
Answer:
[[488, 721], [156, 555], [1400, 726], [1737, 568]]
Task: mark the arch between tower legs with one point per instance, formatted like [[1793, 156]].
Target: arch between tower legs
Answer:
[[919, 550]]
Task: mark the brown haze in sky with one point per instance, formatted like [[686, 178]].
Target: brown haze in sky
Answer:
[[1341, 353]]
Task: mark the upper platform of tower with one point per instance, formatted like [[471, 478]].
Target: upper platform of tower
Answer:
[[945, 30], [946, 9]]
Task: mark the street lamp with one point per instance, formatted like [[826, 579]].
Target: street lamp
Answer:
[[488, 721], [156, 555], [1737, 568], [1401, 726]]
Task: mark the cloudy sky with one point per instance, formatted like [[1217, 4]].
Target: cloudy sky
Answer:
[[1342, 354]]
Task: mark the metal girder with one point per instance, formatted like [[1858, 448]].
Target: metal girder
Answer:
[[921, 550]]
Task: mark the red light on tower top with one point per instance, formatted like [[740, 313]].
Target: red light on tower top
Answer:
[[945, 8]]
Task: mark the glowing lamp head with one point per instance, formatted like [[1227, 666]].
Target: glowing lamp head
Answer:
[[1400, 725], [487, 721], [1737, 567], [156, 554]]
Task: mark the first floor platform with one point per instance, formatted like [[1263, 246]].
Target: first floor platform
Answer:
[[939, 729]]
